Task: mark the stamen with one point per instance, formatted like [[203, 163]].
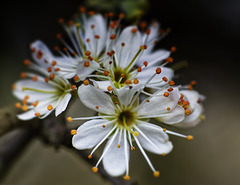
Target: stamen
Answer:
[[27, 62], [37, 114], [86, 82], [156, 174], [73, 132], [18, 105], [126, 177], [171, 83], [50, 107], [95, 169], [37, 90]]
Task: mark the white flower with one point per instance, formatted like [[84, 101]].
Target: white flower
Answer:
[[123, 120], [41, 95], [121, 55], [191, 101]]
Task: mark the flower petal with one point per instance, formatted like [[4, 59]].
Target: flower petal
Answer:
[[26, 115], [62, 105], [114, 160], [103, 85], [92, 97], [153, 139], [191, 96], [83, 71], [158, 104], [90, 133]]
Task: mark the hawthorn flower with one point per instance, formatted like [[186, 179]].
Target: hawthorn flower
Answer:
[[122, 120], [40, 95], [126, 57]]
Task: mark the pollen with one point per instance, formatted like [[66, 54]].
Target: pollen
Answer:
[[97, 107], [163, 154], [86, 64], [135, 81], [156, 174], [95, 169], [171, 83], [59, 36], [73, 132], [60, 21], [148, 31], [87, 40], [121, 15], [139, 69], [122, 44], [97, 37], [118, 145], [85, 82], [189, 138], [132, 148], [158, 70], [37, 114], [50, 107], [169, 59], [24, 107], [18, 105], [14, 86], [106, 73], [54, 63], [164, 129], [170, 89], [173, 49], [141, 47], [46, 79], [69, 119], [126, 177], [145, 63], [187, 112], [113, 36], [165, 79], [168, 108], [35, 78], [123, 75], [87, 53], [89, 157], [135, 133], [51, 76], [103, 126], [166, 94], [147, 100], [193, 82], [81, 9], [57, 69], [39, 54], [27, 62], [35, 103], [134, 30], [190, 87], [109, 88], [70, 23]]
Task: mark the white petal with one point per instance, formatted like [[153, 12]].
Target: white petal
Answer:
[[174, 116], [90, 133], [157, 140], [158, 103], [191, 96], [132, 43], [92, 97], [103, 85], [153, 58], [146, 73], [83, 71], [63, 104], [114, 160], [26, 115]]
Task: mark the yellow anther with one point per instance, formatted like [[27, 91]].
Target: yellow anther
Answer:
[[187, 112], [189, 138], [141, 47], [109, 88], [164, 130], [89, 157], [103, 126], [118, 145], [133, 148], [135, 133], [135, 81], [95, 169], [163, 154], [168, 108], [126, 177], [156, 174], [69, 119], [24, 107], [50, 107], [73, 132]]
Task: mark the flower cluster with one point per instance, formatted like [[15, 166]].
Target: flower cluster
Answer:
[[119, 74]]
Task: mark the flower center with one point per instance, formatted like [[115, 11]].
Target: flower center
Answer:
[[120, 76], [126, 118]]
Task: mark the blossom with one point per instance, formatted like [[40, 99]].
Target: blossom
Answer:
[[123, 120], [41, 95], [126, 56]]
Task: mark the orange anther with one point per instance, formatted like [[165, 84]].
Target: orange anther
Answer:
[[187, 112], [97, 107], [166, 94], [39, 54], [106, 73], [91, 12], [171, 83], [86, 64], [110, 62], [133, 148], [97, 37], [70, 22], [143, 24], [158, 70], [76, 78], [49, 69], [193, 82], [51, 76], [85, 82], [189, 138], [34, 78], [59, 36], [14, 86], [168, 108], [113, 36], [92, 26], [148, 31], [33, 50], [90, 58], [60, 21], [46, 79], [145, 63], [170, 89], [123, 75], [134, 30], [147, 100], [109, 88], [37, 114], [24, 107], [135, 81], [163, 154], [50, 107], [169, 59], [164, 129], [165, 79], [126, 177], [74, 87], [121, 15], [190, 87], [156, 174], [18, 105], [81, 9], [23, 75], [139, 69], [89, 157], [128, 82], [69, 119], [56, 48], [173, 49], [122, 44], [27, 62], [95, 169], [87, 53], [54, 63], [103, 126], [73, 132], [118, 145], [57, 69], [35, 103]]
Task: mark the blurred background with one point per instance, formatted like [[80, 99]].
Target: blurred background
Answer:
[[206, 34]]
